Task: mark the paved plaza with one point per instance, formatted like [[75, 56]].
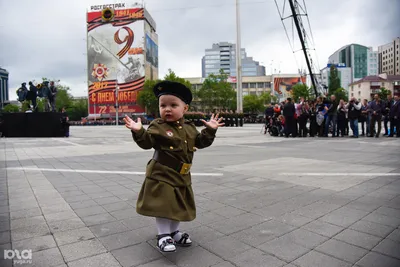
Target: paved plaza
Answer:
[[261, 201]]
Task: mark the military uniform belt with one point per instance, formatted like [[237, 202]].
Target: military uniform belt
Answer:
[[173, 163]]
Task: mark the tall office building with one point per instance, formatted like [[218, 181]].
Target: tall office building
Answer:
[[3, 86], [362, 60], [223, 56], [389, 57]]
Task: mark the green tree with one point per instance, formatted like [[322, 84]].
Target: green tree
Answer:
[[252, 104], [217, 93], [11, 108], [383, 93], [63, 98], [146, 98], [78, 110], [334, 80], [341, 93], [300, 90]]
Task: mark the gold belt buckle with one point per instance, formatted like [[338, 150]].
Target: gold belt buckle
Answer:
[[185, 168]]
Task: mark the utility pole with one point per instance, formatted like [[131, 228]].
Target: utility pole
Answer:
[[239, 91], [299, 31]]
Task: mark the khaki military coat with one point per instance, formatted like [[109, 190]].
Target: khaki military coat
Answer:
[[165, 192]]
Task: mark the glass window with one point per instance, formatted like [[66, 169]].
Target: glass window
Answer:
[[212, 52], [260, 85], [252, 85], [245, 85]]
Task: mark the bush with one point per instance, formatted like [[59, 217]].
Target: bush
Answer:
[[10, 108]]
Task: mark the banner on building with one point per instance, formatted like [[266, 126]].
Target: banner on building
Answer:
[[115, 62], [284, 84]]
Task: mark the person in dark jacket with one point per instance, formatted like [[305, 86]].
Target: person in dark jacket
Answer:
[[331, 116], [341, 118], [354, 111], [386, 119], [364, 118], [32, 95], [288, 112], [376, 107], [394, 117]]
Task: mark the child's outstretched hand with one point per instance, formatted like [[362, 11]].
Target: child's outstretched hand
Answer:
[[214, 122], [131, 124]]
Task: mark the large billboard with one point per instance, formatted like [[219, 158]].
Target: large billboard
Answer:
[[116, 58], [283, 85]]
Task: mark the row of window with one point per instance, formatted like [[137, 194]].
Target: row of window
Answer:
[[266, 85]]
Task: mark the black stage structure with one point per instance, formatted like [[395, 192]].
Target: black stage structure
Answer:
[[34, 124]]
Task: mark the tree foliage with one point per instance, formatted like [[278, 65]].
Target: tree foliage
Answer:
[[383, 93], [341, 93], [217, 93], [334, 80], [256, 104], [300, 90], [11, 108], [146, 98], [78, 110]]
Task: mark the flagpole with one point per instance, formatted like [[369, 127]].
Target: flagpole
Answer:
[[239, 91]]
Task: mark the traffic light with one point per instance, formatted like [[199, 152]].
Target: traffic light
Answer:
[[107, 14]]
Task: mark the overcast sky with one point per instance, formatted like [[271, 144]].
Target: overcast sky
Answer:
[[47, 38]]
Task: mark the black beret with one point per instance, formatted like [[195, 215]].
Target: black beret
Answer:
[[175, 89]]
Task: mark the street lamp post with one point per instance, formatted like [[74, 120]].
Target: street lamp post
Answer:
[[239, 91], [116, 105]]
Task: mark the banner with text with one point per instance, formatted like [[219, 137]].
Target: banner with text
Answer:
[[116, 59]]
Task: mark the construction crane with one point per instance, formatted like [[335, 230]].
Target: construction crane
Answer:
[[297, 11]]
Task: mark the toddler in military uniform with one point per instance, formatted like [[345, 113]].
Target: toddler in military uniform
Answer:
[[166, 193]]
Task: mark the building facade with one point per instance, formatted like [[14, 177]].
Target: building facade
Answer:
[[389, 57], [4, 95], [223, 56], [344, 73], [362, 60], [370, 85]]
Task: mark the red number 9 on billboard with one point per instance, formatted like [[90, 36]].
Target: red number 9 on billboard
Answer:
[[128, 40]]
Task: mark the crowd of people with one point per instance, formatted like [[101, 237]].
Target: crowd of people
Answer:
[[331, 116]]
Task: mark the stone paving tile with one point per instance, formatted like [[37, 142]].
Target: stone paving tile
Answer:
[[344, 216], [136, 255], [372, 228], [256, 258], [341, 250], [108, 229], [374, 259], [102, 260], [82, 249], [93, 210], [73, 236], [226, 247], [163, 262], [185, 257], [383, 219], [46, 258], [395, 236], [98, 219], [389, 248], [304, 238], [314, 258], [36, 243], [359, 239], [65, 225], [322, 228], [29, 232], [284, 249], [116, 206], [120, 240], [263, 232]]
